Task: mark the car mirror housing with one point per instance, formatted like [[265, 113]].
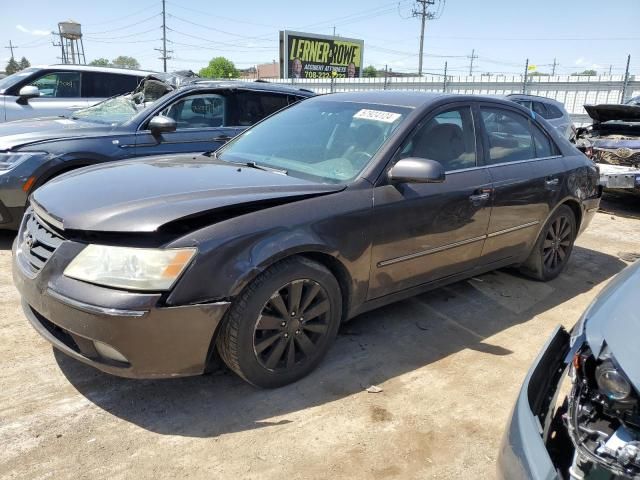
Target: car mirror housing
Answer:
[[417, 170], [161, 124], [27, 92]]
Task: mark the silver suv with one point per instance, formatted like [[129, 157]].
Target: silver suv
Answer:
[[551, 110], [60, 89]]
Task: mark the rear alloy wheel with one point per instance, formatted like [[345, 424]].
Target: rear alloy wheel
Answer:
[[282, 324], [553, 247]]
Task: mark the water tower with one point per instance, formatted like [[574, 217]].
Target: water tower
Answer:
[[71, 42]]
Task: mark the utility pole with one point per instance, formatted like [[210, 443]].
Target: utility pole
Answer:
[[625, 83], [553, 67], [524, 83], [425, 15], [11, 47], [610, 67], [472, 57], [444, 83], [164, 37]]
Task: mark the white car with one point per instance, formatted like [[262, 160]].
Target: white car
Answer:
[[60, 89]]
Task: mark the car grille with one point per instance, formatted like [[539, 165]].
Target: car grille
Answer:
[[611, 158], [38, 241]]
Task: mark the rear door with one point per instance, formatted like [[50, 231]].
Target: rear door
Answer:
[[434, 230], [60, 94], [98, 86], [527, 173]]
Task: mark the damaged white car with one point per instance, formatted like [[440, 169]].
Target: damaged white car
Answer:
[[613, 142]]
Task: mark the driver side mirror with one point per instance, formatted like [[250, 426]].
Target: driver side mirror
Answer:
[[161, 124], [27, 92], [416, 170]]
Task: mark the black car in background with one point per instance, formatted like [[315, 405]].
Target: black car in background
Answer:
[[335, 206], [197, 116]]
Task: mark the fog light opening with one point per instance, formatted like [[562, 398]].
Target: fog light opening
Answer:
[[109, 352]]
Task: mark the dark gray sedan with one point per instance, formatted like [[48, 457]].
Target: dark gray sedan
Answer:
[[593, 432], [332, 207]]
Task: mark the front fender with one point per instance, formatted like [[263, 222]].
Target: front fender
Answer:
[[234, 252]]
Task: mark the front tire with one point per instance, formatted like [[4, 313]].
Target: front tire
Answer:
[[553, 248], [283, 323]]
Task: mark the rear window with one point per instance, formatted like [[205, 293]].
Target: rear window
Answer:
[[554, 112], [105, 85], [251, 107]]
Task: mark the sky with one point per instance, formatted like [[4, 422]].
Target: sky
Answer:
[[502, 33]]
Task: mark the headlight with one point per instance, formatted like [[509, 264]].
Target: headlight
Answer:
[[612, 382], [130, 268], [9, 160]]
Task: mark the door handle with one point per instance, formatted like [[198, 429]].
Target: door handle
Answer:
[[480, 195], [222, 138], [551, 182]]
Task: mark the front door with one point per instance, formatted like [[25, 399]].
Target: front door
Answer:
[[527, 173], [426, 232], [201, 120], [59, 95]]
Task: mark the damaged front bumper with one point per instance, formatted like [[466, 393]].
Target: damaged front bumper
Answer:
[[525, 451]]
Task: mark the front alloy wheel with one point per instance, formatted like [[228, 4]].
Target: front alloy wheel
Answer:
[[292, 325], [282, 324]]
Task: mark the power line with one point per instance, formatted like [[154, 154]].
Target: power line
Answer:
[[125, 26], [423, 12]]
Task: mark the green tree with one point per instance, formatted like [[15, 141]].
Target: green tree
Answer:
[[220, 67], [589, 73], [100, 62], [12, 66], [24, 63], [370, 71], [538, 74], [125, 62]]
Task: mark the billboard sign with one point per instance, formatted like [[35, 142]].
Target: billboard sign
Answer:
[[306, 55]]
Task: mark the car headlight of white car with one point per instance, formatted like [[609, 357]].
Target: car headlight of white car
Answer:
[[146, 269]]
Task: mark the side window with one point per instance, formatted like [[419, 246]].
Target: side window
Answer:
[[105, 85], [198, 111], [553, 111], [59, 85], [541, 109], [448, 138], [544, 148], [509, 135], [251, 107], [524, 103]]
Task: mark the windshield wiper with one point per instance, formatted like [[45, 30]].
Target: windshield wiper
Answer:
[[265, 168]]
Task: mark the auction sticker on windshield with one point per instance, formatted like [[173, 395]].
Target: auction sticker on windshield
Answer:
[[377, 115]]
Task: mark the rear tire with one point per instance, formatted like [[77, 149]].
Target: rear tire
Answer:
[[553, 247], [282, 324]]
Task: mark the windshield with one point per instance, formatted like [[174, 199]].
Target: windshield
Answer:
[[11, 80], [113, 111], [324, 140]]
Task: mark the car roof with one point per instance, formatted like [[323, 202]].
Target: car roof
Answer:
[[90, 68], [407, 98], [199, 83]]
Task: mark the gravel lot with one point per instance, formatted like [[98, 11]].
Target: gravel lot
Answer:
[[449, 363]]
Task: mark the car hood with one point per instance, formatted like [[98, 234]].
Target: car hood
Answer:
[[614, 319], [606, 112], [24, 132], [145, 194]]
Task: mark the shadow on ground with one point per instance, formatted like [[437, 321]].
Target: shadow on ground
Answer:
[[620, 203], [6, 239], [370, 349]]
